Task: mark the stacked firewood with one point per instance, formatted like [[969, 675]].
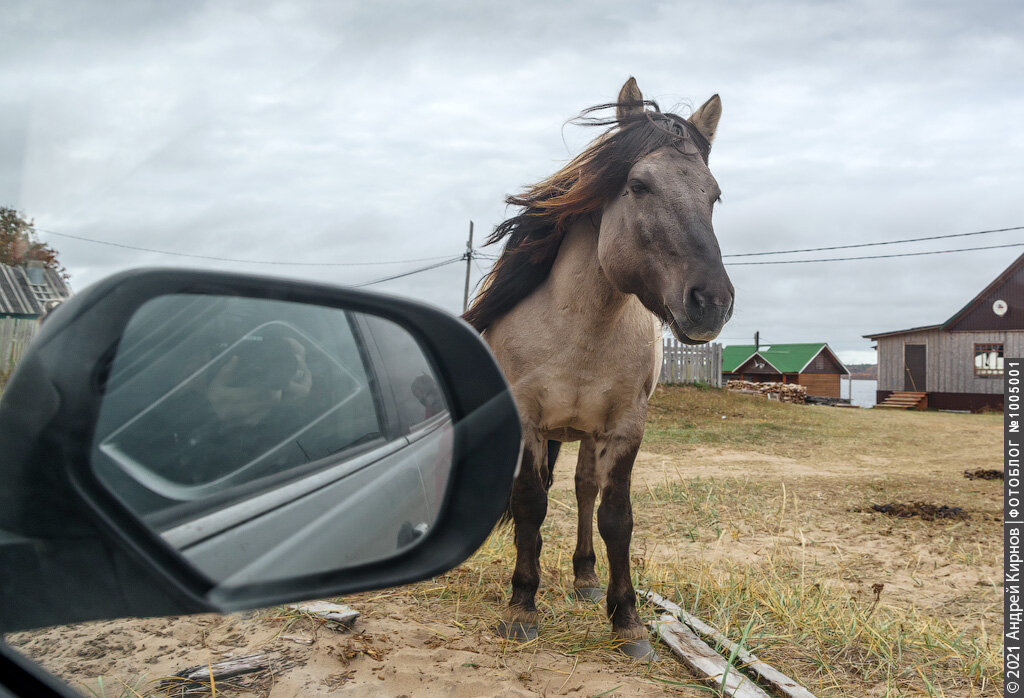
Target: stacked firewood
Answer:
[[783, 392]]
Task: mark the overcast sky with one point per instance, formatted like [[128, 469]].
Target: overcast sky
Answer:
[[345, 132]]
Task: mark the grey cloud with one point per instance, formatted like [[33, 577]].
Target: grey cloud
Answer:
[[372, 131]]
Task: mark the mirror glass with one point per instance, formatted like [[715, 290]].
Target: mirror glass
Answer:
[[267, 440]]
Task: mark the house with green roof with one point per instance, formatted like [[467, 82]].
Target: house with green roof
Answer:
[[814, 366]]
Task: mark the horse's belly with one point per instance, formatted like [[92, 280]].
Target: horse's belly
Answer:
[[564, 434]]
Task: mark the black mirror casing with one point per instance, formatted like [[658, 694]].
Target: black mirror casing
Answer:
[[69, 549]]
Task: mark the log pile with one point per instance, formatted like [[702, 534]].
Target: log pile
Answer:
[[783, 392]]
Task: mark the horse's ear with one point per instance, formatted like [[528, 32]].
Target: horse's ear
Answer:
[[706, 118], [630, 102]]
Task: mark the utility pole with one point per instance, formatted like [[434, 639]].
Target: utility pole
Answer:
[[757, 341], [469, 262]]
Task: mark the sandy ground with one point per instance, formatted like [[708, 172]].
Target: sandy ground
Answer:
[[939, 565], [947, 568]]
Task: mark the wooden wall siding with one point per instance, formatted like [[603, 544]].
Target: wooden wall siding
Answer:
[[15, 334], [821, 384], [750, 366], [980, 317], [823, 363], [757, 377], [685, 363], [950, 359]]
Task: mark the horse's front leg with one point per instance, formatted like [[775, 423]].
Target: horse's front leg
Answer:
[[585, 581], [615, 457], [529, 507]]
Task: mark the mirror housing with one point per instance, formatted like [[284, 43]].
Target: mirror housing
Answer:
[[70, 551]]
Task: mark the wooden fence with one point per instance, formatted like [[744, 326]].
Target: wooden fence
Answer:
[[15, 334], [685, 363]]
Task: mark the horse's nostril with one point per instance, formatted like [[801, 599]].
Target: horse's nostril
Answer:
[[695, 303], [703, 303]]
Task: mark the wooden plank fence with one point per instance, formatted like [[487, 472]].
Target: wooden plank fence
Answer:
[[685, 363], [15, 334]]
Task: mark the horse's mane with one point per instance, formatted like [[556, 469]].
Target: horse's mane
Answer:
[[549, 207]]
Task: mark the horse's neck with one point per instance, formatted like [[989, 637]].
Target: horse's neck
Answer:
[[578, 284], [578, 353]]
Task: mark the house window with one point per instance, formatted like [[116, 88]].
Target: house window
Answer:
[[988, 359]]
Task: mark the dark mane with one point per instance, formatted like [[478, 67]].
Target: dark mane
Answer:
[[549, 207]]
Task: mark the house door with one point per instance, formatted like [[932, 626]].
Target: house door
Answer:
[[914, 367]]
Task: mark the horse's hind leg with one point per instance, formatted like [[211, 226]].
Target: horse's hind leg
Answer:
[[615, 457], [529, 507], [585, 582]]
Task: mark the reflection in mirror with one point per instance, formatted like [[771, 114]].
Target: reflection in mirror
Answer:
[[267, 440]]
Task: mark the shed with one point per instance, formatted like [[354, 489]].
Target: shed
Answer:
[[814, 366], [26, 294], [956, 364]]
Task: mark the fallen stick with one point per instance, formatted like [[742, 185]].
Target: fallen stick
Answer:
[[778, 681], [199, 678], [703, 660], [333, 613]]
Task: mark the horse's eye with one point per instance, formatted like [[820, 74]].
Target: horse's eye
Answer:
[[638, 187]]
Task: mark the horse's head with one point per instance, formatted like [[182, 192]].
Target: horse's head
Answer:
[[656, 239]]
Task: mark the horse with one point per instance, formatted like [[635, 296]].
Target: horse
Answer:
[[600, 256]]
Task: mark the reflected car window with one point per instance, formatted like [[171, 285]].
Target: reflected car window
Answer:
[[207, 393], [416, 392]]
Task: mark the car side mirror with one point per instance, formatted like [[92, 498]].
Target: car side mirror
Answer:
[[224, 442]]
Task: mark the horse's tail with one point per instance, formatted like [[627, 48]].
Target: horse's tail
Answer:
[[553, 448]]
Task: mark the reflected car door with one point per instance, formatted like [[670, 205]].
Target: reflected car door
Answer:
[[421, 411], [399, 486], [249, 511]]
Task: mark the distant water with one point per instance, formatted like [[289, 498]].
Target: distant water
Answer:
[[863, 391]]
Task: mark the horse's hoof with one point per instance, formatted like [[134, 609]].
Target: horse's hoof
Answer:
[[520, 632], [639, 650], [593, 594]]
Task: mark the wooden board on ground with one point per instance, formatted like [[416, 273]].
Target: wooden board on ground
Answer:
[[703, 660], [198, 680], [779, 681]]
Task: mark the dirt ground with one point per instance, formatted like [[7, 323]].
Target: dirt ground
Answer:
[[703, 511]]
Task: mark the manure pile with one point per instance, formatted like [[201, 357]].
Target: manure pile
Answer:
[[927, 512], [983, 474]]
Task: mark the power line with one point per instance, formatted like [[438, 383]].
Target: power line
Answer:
[[491, 257], [410, 273], [847, 247], [240, 261], [873, 244], [462, 257], [878, 256]]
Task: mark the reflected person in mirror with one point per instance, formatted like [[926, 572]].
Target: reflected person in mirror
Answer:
[[246, 407], [425, 389], [260, 377]]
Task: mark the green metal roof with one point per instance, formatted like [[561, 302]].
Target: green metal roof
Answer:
[[734, 356], [786, 358]]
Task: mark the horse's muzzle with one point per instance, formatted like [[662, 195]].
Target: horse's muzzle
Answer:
[[704, 315]]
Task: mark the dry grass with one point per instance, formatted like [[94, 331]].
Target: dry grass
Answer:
[[787, 554], [681, 417], [758, 520]]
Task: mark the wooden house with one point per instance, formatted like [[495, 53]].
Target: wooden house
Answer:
[[814, 366], [26, 294], [957, 364]]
